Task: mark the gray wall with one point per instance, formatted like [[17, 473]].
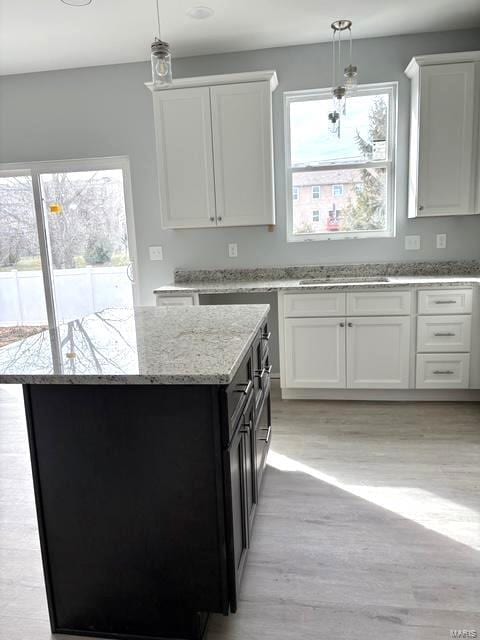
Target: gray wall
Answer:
[[102, 111]]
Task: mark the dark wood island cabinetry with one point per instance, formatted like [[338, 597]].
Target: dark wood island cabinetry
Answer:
[[146, 495]]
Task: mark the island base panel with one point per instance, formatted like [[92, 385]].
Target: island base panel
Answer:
[[129, 493]]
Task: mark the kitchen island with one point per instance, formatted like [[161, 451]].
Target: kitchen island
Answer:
[[148, 430]]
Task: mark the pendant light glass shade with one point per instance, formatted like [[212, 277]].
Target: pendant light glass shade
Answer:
[[351, 78], [161, 59]]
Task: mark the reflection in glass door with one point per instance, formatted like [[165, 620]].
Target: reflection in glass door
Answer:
[[23, 310], [86, 226]]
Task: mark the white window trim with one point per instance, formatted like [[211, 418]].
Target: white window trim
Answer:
[[316, 186], [35, 169], [342, 191], [389, 164]]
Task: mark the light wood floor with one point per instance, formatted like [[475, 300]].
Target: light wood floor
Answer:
[[369, 526]]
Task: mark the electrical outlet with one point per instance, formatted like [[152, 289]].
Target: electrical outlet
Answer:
[[441, 240], [233, 250], [156, 253], [412, 243]]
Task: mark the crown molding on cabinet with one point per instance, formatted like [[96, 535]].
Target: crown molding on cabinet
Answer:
[[229, 78], [440, 58]]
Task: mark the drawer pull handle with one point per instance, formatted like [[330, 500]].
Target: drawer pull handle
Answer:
[[266, 336], [268, 369], [445, 301], [246, 390], [269, 432], [446, 372], [446, 334], [260, 373]]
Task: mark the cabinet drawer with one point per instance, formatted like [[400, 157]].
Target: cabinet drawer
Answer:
[[443, 333], [306, 305], [169, 301], [378, 303], [444, 301], [443, 371], [239, 391]]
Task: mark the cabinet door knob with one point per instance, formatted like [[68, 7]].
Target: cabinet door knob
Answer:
[[219, 218], [212, 219], [342, 324], [420, 208], [350, 324]]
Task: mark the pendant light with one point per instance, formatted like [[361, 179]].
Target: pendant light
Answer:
[[343, 84], [161, 59]]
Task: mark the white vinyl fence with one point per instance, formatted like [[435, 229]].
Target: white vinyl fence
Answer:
[[78, 292]]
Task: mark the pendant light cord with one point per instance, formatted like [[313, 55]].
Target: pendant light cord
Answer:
[[333, 59], [158, 20]]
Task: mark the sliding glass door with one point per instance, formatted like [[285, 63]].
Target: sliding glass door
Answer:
[[66, 243], [23, 309]]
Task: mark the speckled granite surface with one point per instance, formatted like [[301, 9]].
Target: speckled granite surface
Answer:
[[143, 345], [263, 286], [417, 269]]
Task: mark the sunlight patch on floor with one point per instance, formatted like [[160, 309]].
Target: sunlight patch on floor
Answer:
[[433, 512]]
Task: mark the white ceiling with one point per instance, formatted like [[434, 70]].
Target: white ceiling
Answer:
[[39, 35]]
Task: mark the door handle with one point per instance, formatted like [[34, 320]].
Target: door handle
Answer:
[[130, 275]]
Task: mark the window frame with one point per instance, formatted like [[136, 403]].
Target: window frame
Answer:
[[316, 211], [316, 186], [391, 88], [297, 191], [338, 195]]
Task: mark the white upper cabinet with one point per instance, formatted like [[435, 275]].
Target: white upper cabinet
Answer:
[[215, 153], [444, 134], [242, 149], [185, 157]]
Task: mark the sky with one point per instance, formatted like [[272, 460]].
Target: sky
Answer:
[[311, 141]]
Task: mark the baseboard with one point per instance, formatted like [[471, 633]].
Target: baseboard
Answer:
[[399, 395]]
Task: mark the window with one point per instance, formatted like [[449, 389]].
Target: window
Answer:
[[316, 216], [295, 193], [358, 167]]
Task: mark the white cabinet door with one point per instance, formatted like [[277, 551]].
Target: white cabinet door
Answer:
[[185, 157], [315, 352], [446, 165], [378, 353], [242, 145]]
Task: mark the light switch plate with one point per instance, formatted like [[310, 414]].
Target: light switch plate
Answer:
[[233, 250], [156, 253], [412, 243], [441, 240]]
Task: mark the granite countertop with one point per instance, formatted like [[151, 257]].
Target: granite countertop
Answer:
[[289, 278], [251, 286], [140, 345]]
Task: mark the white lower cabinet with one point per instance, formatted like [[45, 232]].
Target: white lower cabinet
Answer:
[[352, 353], [315, 353], [378, 353]]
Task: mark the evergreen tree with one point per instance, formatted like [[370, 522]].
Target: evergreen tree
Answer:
[[367, 211]]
